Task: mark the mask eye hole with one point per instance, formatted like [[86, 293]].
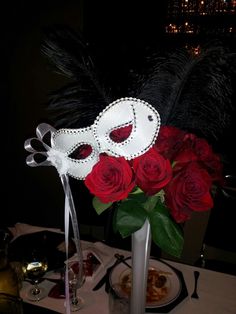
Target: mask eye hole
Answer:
[[81, 152], [121, 134]]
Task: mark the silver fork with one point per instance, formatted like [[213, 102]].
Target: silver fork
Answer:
[[196, 276]]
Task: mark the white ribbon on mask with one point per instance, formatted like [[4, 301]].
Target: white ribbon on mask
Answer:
[[53, 157]]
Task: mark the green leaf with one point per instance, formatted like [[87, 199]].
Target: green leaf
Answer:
[[138, 197], [136, 190], [99, 206], [130, 217], [151, 202], [166, 233], [147, 202]]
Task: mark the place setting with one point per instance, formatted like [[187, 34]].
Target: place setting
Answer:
[[106, 281], [166, 287], [40, 261], [43, 263]]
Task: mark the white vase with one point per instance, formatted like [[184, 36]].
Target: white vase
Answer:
[[141, 243]]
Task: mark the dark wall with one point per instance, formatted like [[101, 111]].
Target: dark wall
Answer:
[[117, 34], [34, 195], [122, 34]]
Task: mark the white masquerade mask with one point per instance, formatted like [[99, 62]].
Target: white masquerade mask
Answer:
[[74, 152], [66, 144]]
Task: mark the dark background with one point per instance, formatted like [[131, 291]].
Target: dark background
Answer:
[[121, 34], [118, 34]]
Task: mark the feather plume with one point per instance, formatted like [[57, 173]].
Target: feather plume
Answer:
[[192, 92], [85, 96]]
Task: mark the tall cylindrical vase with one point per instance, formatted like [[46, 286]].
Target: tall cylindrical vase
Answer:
[[141, 243]]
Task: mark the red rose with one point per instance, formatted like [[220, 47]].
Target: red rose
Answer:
[[169, 141], [210, 160], [111, 179], [215, 168], [187, 151], [193, 148], [189, 191], [152, 171], [203, 149], [198, 149]]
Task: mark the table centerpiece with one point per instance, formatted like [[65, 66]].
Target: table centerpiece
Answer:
[[146, 152]]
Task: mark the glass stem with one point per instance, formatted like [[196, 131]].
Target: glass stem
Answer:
[[74, 300], [36, 289]]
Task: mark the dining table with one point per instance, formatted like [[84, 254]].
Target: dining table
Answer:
[[216, 290]]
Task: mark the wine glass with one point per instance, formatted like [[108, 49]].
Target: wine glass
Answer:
[[34, 267], [76, 278]]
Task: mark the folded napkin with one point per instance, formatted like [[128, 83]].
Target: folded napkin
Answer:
[[103, 252], [101, 256], [22, 228]]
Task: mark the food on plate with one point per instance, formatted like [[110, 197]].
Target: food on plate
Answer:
[[156, 285]]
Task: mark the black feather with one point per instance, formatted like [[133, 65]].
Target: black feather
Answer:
[[192, 92], [85, 96]]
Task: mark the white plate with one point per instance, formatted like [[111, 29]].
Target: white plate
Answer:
[[172, 284]]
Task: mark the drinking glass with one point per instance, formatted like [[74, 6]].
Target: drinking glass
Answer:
[[76, 278], [34, 267]]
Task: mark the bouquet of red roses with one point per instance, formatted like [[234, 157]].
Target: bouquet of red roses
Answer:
[[164, 185], [177, 175]]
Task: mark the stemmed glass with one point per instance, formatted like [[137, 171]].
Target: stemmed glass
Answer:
[[34, 267], [76, 278]]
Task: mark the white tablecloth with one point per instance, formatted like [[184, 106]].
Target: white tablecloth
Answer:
[[217, 291]]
